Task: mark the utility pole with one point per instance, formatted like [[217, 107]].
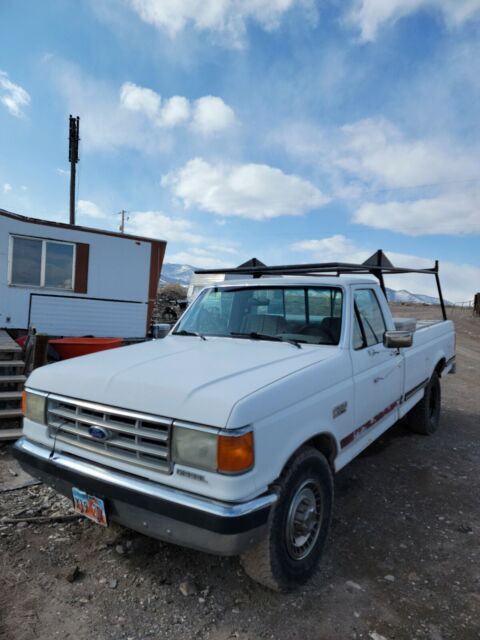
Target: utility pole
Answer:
[[73, 159], [123, 213]]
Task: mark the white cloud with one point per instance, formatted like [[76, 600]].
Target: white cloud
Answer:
[[459, 281], [155, 224], [449, 214], [141, 99], [209, 114], [176, 110], [7, 187], [227, 17], [63, 172], [89, 209], [377, 152], [13, 96], [369, 15], [331, 249], [200, 258], [396, 182], [255, 191], [132, 116], [104, 124], [203, 253]]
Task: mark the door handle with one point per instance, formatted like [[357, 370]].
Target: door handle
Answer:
[[373, 352]]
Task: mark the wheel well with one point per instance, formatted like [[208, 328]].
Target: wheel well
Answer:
[[325, 443], [440, 367]]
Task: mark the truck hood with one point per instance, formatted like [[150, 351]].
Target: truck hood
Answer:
[[179, 377]]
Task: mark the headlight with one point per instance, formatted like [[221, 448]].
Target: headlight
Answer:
[[34, 406], [226, 453], [195, 448]]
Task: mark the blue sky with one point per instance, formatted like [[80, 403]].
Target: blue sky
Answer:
[[292, 130]]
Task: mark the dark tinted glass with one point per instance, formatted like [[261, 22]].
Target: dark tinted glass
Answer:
[[26, 261]]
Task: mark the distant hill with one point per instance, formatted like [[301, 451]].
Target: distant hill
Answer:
[[181, 274], [176, 273], [413, 298]]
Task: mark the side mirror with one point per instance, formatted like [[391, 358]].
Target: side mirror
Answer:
[[397, 339]]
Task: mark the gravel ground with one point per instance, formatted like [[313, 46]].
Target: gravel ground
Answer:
[[402, 561]]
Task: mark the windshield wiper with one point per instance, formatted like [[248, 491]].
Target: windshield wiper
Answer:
[[184, 332], [253, 335]]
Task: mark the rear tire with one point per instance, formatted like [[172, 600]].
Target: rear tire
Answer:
[[298, 525], [424, 418]]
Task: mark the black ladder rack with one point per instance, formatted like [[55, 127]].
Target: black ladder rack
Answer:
[[377, 265]]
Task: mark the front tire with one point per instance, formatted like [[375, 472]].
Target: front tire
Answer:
[[298, 525], [424, 418]]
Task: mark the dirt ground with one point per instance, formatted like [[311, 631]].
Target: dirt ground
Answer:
[[402, 561]]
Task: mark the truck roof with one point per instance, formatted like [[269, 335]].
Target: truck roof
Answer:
[[312, 281]]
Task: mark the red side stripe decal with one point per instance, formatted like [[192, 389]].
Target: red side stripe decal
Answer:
[[368, 425]]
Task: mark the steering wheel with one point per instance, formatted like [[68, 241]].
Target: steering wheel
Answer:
[[319, 332]]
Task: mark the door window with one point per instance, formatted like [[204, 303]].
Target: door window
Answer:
[[359, 341], [370, 316]]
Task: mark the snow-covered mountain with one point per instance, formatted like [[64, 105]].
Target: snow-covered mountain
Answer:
[[176, 273], [413, 298], [181, 274]]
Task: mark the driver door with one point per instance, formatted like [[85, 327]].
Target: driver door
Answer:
[[378, 371]]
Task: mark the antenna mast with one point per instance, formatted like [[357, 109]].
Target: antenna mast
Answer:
[[73, 159]]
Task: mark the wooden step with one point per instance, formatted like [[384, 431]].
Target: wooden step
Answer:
[[10, 348], [10, 395], [11, 379], [10, 413], [4, 364], [10, 434]]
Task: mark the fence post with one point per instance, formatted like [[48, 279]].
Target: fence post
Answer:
[[476, 305]]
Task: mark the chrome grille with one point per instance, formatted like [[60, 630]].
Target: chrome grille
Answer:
[[135, 438]]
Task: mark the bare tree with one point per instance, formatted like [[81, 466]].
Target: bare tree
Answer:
[[172, 291], [170, 302]]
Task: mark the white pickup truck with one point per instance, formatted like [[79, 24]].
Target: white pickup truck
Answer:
[[225, 435]]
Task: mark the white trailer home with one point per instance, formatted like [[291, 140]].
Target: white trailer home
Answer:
[[68, 280]]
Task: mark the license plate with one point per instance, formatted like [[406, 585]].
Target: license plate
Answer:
[[89, 506]]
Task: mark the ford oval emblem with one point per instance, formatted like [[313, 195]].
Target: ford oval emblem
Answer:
[[99, 433]]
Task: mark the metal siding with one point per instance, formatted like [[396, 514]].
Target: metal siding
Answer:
[[81, 317]]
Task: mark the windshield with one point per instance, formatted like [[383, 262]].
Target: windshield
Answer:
[[302, 314]]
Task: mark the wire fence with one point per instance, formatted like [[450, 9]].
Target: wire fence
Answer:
[[461, 306]]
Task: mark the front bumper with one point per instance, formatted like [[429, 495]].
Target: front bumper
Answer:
[[152, 509]]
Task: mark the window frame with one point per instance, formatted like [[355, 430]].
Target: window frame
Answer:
[[356, 312], [43, 263]]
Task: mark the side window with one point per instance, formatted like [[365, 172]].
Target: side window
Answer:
[[371, 316], [358, 339]]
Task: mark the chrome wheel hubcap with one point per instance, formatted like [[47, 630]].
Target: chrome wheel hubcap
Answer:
[[304, 520]]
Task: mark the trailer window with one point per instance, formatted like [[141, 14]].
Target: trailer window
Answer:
[[26, 261], [41, 263]]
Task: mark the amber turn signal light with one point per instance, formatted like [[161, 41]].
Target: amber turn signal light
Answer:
[[24, 402], [235, 453]]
